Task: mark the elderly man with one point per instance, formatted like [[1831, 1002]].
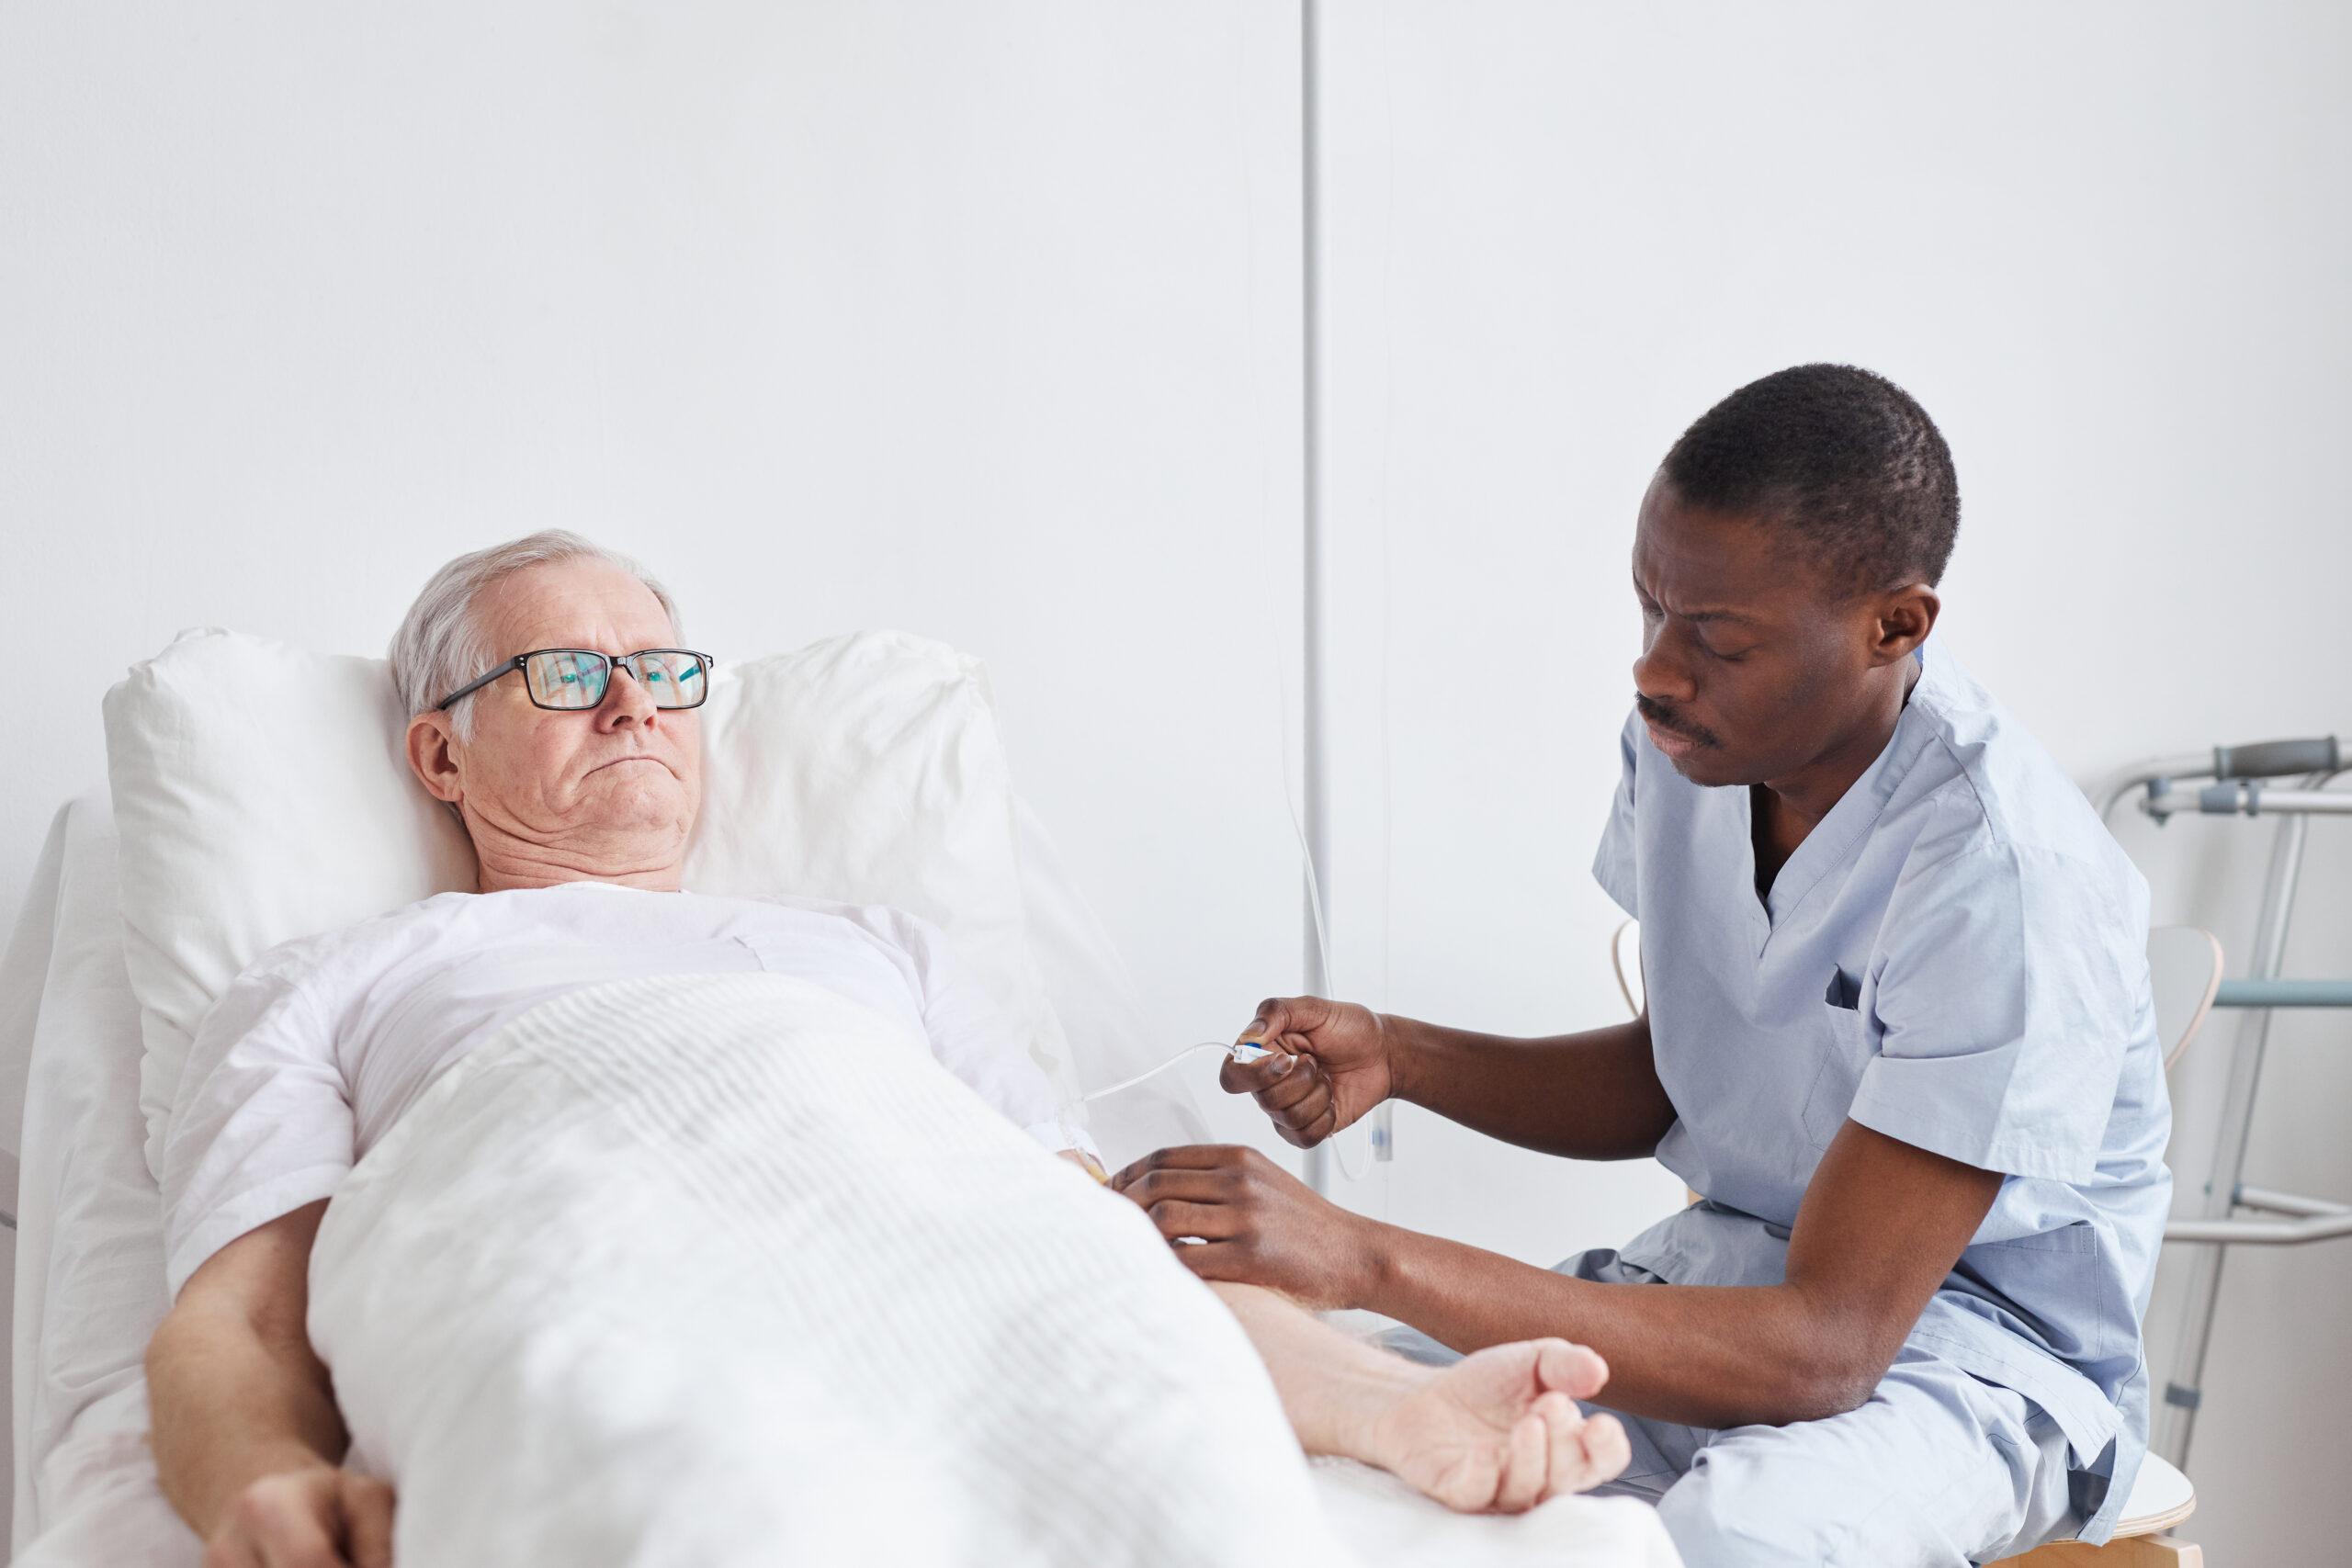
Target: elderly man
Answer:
[[555, 716]]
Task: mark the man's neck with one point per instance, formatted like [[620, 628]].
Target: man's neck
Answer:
[[1783, 811], [509, 863]]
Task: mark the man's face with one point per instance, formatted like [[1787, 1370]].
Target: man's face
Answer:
[[617, 786], [1753, 667]]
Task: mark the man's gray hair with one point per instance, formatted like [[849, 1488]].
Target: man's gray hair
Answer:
[[440, 646]]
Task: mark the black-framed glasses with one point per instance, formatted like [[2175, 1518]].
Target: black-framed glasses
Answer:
[[572, 679]]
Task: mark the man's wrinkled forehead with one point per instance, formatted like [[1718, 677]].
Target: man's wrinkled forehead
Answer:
[[575, 603], [1722, 567]]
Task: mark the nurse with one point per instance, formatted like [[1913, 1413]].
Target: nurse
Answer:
[[1900, 1037]]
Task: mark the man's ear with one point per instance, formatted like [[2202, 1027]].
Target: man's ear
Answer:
[[1905, 618], [431, 751]]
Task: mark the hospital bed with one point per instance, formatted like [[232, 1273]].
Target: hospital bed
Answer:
[[89, 1285]]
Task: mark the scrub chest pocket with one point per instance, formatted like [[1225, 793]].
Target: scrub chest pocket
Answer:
[[1846, 1048]]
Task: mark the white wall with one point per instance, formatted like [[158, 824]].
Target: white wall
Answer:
[[979, 321], [976, 320], [2106, 246], [983, 320]]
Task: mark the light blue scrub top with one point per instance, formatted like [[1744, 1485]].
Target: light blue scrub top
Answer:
[[1955, 956]]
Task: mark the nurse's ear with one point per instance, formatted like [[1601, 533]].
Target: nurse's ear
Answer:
[[1901, 620]]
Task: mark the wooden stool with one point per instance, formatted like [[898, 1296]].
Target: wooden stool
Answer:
[[2161, 1499]]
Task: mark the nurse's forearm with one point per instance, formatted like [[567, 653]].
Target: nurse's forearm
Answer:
[[1702, 1356], [1881, 1228], [1589, 1096]]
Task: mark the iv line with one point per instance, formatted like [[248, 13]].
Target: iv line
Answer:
[[1155, 1072], [1245, 1053]]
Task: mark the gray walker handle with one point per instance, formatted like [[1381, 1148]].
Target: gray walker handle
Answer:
[[2275, 758]]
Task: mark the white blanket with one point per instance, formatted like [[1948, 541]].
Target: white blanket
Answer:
[[461, 1440], [726, 1270]]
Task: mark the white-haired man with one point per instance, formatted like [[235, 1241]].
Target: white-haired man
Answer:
[[555, 714]]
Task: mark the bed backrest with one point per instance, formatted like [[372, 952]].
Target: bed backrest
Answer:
[[89, 1285], [24, 967]]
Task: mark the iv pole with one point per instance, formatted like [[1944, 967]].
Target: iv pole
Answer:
[[1314, 709]]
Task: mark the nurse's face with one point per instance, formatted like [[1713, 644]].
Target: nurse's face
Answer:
[[1755, 668]]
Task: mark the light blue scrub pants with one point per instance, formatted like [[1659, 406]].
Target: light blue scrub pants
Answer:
[[1937, 1469]]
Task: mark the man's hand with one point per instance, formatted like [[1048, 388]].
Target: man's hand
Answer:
[[244, 1427], [1258, 1224], [1330, 1066], [1499, 1431], [314, 1518]]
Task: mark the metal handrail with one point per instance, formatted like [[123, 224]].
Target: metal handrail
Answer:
[[2258, 993], [2261, 1232], [2310, 1219], [2271, 1200], [2242, 797], [2320, 755]]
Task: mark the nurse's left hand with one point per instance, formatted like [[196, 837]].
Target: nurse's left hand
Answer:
[[1256, 1223]]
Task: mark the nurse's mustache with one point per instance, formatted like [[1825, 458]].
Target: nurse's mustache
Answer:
[[1657, 713]]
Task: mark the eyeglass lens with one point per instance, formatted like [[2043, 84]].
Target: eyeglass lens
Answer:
[[574, 678]]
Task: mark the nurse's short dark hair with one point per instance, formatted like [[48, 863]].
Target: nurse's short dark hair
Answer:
[[1843, 459]]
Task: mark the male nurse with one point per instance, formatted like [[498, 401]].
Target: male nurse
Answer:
[[1900, 1037]]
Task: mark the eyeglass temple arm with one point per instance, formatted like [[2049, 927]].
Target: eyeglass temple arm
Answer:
[[472, 686]]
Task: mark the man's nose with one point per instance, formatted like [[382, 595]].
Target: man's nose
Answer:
[[1661, 673], [626, 702]]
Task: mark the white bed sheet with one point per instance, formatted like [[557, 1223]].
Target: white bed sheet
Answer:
[[89, 1279]]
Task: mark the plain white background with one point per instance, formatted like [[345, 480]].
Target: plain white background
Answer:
[[983, 321]]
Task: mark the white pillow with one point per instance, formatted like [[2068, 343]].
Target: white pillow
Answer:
[[261, 794], [868, 768]]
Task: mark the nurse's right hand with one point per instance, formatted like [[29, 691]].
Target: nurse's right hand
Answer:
[[1329, 1065]]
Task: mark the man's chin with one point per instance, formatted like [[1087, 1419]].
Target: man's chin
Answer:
[[633, 797], [1706, 768]]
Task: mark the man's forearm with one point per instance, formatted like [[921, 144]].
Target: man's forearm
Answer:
[[1334, 1388], [230, 1407], [1589, 1096], [1705, 1356]]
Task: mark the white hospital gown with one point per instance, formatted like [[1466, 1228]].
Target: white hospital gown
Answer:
[[317, 1049]]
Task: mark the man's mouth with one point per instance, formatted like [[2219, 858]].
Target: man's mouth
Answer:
[[1671, 741], [1671, 745]]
